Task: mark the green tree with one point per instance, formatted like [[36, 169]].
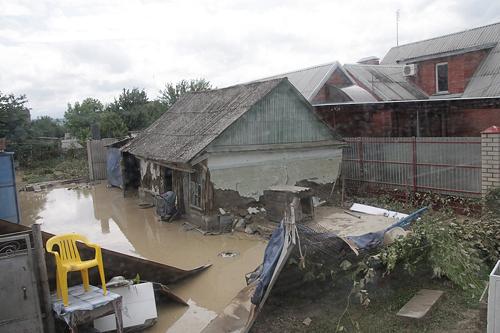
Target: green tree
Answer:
[[47, 126], [131, 107], [172, 92], [80, 117], [112, 125], [14, 117]]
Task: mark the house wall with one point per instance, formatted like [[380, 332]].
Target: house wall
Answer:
[[262, 149], [281, 117], [396, 120], [460, 70], [470, 122], [250, 173], [337, 79]]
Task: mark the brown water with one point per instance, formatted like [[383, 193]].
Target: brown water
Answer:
[[117, 223]]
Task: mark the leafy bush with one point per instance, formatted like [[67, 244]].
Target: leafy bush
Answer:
[[447, 245]]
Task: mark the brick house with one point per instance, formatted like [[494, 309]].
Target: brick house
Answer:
[[443, 86]]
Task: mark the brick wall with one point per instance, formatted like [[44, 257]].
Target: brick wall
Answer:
[[470, 122], [337, 79], [490, 159], [460, 118], [460, 70]]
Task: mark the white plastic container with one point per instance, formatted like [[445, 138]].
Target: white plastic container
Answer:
[[494, 300], [138, 307]]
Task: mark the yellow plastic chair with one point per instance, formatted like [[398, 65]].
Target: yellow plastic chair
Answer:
[[68, 260]]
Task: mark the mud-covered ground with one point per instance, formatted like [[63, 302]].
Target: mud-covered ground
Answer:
[[324, 305]]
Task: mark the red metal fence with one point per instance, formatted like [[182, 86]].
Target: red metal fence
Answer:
[[438, 164]]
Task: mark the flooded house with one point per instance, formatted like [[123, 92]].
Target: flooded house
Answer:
[[222, 148]]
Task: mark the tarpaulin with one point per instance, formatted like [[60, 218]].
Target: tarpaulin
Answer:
[[113, 167], [271, 257], [374, 239]]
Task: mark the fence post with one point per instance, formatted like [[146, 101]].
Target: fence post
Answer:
[[360, 158], [414, 163], [490, 159]]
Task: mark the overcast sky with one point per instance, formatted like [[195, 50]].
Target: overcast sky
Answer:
[[61, 51]]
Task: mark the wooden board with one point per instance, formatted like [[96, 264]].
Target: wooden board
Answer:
[[420, 304]]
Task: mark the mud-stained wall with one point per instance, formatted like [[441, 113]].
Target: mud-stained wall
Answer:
[[151, 176], [250, 173]]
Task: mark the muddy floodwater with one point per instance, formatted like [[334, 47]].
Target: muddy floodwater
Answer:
[[117, 223]]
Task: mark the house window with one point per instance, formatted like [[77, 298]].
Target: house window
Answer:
[[442, 77], [195, 188]]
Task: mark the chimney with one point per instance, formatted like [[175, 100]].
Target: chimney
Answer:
[[369, 61]]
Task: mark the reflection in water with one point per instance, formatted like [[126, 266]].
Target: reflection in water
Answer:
[[117, 223]]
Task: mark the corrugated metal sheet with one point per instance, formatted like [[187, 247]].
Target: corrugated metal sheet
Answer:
[[486, 80], [97, 158], [358, 94], [446, 165], [308, 80], [196, 120], [281, 117], [386, 82]]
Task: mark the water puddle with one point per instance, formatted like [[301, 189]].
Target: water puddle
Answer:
[[117, 223]]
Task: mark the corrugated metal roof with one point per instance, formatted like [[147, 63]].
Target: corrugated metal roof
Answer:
[[309, 80], [386, 82], [195, 120], [486, 80], [358, 94]]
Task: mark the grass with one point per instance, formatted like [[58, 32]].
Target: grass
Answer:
[[452, 313], [56, 169]]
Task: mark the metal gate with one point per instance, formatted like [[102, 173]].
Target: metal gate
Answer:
[[9, 209], [97, 159], [20, 307]]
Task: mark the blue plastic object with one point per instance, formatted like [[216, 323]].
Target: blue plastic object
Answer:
[[9, 207]]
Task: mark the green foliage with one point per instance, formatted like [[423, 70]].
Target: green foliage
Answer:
[[81, 116], [14, 117], [442, 243], [47, 127], [112, 125], [171, 93], [69, 166], [130, 106]]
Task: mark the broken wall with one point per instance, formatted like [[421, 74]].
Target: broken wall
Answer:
[[250, 173], [152, 182]]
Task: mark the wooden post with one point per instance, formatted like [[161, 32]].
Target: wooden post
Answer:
[[42, 273]]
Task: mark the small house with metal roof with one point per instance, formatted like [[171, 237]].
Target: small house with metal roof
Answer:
[[222, 148]]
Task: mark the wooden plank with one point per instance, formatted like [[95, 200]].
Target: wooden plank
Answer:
[[420, 304]]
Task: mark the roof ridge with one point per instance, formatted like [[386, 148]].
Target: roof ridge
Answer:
[[302, 69], [238, 85], [373, 65], [446, 35]]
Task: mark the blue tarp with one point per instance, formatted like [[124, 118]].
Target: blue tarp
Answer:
[[271, 257], [113, 167], [374, 239], [9, 209]]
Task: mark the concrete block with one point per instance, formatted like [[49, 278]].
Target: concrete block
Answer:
[[420, 304]]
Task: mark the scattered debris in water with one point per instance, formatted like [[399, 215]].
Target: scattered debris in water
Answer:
[[229, 254], [255, 210]]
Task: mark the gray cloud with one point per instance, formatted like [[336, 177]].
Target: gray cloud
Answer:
[[57, 52]]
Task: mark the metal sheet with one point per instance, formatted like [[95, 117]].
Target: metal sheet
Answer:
[[9, 208], [443, 164]]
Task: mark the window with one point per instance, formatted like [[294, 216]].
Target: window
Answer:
[[442, 77], [195, 188]]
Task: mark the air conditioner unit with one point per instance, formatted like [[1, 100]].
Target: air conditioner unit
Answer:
[[410, 70]]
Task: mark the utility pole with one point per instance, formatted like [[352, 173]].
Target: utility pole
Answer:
[[397, 27]]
